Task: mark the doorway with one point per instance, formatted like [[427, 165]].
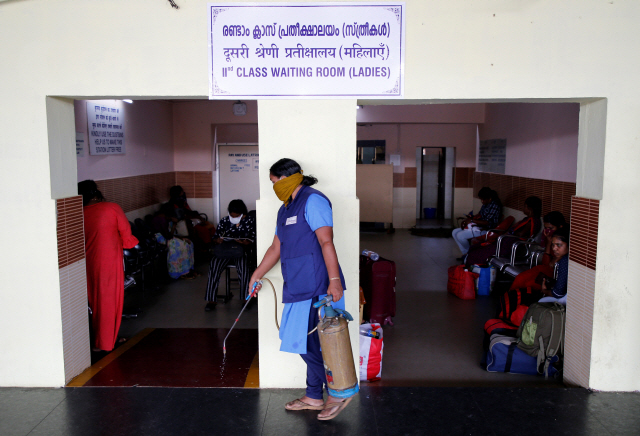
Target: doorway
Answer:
[[434, 196]]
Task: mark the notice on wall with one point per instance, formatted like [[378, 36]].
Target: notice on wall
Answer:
[[240, 162], [306, 50], [238, 175], [492, 156], [105, 120], [80, 145]]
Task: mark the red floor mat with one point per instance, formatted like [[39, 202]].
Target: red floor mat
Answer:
[[183, 358]]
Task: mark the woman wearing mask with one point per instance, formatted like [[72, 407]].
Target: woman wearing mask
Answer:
[[106, 232], [240, 228], [303, 242]]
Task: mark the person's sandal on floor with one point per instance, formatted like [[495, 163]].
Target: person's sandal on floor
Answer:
[[301, 405], [340, 407]]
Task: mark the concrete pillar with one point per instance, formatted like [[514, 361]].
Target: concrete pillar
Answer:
[[321, 136]]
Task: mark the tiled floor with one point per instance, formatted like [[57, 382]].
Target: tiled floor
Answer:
[[375, 411], [432, 382], [436, 339]]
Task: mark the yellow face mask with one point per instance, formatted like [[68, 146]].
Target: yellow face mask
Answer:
[[284, 188]]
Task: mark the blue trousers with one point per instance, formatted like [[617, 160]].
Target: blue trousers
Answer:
[[316, 378]]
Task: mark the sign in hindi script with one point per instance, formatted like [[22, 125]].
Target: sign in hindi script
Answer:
[[306, 50]]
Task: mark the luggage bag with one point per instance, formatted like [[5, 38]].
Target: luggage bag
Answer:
[[461, 282], [378, 281], [505, 356]]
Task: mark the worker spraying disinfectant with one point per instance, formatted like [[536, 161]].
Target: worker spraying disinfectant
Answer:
[[335, 343], [303, 244]]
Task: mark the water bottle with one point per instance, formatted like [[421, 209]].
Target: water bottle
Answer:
[[371, 333], [371, 255]]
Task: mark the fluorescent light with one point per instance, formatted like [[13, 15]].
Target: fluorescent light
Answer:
[[128, 101]]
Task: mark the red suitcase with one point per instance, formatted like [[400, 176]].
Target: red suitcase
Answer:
[[378, 281]]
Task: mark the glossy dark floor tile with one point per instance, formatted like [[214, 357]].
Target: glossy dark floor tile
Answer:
[[356, 418], [387, 411], [419, 411], [109, 411], [22, 409], [617, 412], [538, 411], [183, 358]]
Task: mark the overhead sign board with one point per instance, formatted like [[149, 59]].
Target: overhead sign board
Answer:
[[306, 50]]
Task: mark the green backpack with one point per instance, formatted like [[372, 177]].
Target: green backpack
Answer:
[[541, 333]]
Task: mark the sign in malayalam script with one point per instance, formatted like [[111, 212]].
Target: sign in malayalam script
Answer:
[[105, 120], [306, 50]]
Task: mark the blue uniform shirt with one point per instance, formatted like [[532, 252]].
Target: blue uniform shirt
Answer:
[[295, 315]]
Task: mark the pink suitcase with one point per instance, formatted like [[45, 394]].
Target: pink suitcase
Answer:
[[378, 282]]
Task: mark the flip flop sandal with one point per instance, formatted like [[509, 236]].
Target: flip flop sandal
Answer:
[[341, 405], [301, 405]]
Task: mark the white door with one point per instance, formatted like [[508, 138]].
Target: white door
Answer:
[[238, 175]]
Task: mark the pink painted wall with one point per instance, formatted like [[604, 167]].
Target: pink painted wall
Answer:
[[542, 138], [193, 136], [410, 136], [460, 113], [149, 142]]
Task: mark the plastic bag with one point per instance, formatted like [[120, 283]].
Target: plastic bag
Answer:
[[461, 282], [485, 280], [371, 350]]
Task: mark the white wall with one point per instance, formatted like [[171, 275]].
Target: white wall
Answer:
[[193, 123], [542, 139], [149, 142], [504, 50]]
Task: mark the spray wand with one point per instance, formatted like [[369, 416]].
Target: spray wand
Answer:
[[251, 294]]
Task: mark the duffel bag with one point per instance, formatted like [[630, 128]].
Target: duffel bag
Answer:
[[505, 356]]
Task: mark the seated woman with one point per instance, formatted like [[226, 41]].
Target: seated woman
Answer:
[[479, 224], [203, 230], [556, 292], [522, 230], [180, 259], [514, 303], [239, 227], [553, 222]]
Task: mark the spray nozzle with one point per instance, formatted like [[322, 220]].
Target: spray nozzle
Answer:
[[330, 311], [324, 302], [253, 289]]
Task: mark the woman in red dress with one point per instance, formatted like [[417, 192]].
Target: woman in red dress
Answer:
[[106, 233]]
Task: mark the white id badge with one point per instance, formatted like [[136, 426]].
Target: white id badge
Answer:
[[291, 220]]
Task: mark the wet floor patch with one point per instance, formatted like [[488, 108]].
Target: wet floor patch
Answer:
[[182, 358]]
